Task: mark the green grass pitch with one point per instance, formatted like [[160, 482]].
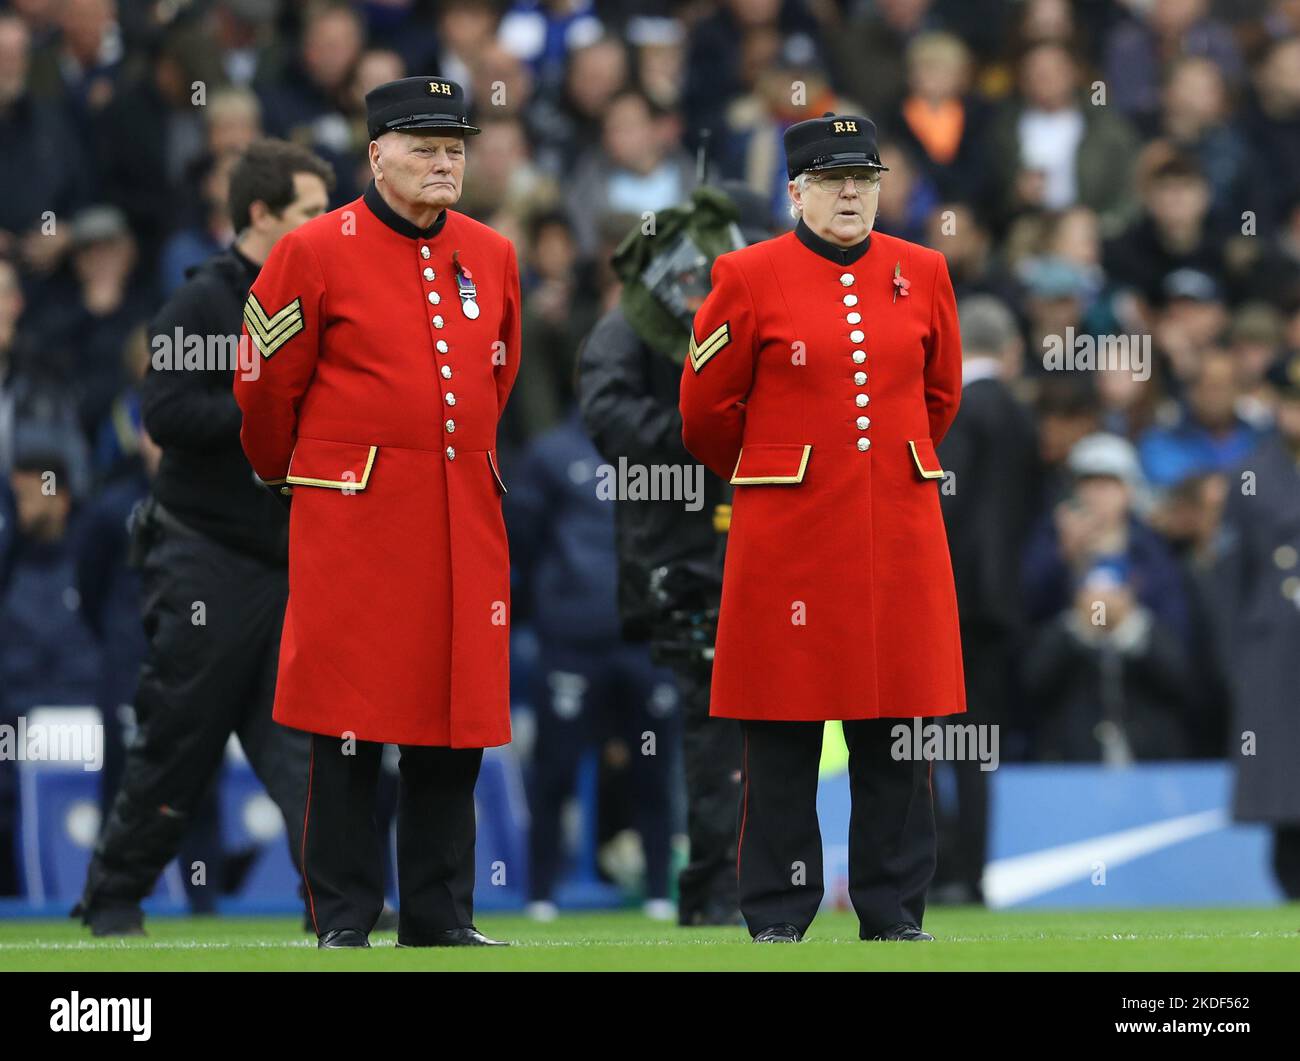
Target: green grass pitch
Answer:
[[973, 939]]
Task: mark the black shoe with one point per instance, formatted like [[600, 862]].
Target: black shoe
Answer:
[[904, 931], [338, 938], [779, 934], [114, 919], [457, 937]]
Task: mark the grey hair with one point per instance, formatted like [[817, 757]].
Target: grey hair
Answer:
[[800, 182], [987, 326]]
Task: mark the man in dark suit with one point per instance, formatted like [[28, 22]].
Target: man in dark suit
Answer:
[[988, 455], [1259, 608]]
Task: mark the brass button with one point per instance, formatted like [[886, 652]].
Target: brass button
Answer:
[[854, 318], [859, 378], [859, 356], [864, 444], [451, 453], [424, 252], [850, 300], [446, 372], [847, 279], [449, 398], [861, 400], [863, 423], [857, 335], [429, 274], [450, 425], [441, 346]]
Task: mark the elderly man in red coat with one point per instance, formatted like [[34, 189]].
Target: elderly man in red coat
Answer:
[[389, 340], [824, 368]]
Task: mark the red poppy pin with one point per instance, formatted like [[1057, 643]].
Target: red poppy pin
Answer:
[[901, 283]]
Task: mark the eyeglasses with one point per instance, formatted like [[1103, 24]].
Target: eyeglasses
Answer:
[[833, 182]]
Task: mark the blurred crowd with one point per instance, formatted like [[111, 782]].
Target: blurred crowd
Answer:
[[1094, 168]]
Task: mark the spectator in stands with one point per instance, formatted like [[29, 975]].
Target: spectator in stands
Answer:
[[543, 33], [505, 176], [79, 67], [1052, 148], [1098, 522], [244, 36], [146, 139], [638, 167], [1171, 234], [908, 198], [305, 106], [42, 170], [1255, 341], [1107, 680], [561, 306], [1138, 48], [939, 120], [1270, 121], [1210, 435], [466, 29], [566, 121], [1196, 118], [92, 307], [195, 244], [47, 656], [870, 50]]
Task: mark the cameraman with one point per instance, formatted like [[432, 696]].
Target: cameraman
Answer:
[[670, 556]]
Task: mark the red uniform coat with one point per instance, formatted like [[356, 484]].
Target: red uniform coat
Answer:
[[822, 397], [378, 399]]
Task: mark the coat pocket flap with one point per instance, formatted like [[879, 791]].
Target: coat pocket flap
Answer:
[[771, 463], [336, 465], [927, 461]]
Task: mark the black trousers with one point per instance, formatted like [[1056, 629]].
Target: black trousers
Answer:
[[213, 618], [964, 829], [343, 856], [1286, 859], [891, 827], [711, 754]]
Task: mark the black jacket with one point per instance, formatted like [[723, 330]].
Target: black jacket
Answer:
[[204, 478], [628, 396], [990, 451]]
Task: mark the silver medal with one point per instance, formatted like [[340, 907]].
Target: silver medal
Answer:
[[471, 308]]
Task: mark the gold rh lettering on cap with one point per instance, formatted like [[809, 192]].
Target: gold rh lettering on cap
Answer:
[[437, 89]]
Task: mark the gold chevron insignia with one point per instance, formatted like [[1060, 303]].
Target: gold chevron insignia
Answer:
[[272, 331], [701, 352]]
